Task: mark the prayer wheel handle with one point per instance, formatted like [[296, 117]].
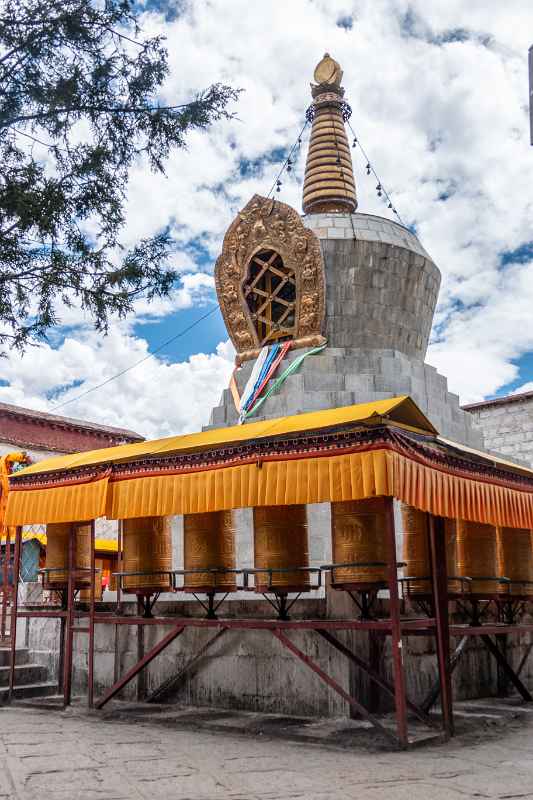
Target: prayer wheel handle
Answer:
[[271, 571], [332, 567], [121, 575], [202, 570]]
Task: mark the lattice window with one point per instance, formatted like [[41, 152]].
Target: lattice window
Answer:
[[270, 293]]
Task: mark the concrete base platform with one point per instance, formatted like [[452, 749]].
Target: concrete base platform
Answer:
[[471, 718], [74, 754]]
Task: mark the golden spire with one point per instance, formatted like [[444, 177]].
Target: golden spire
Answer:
[[329, 184]]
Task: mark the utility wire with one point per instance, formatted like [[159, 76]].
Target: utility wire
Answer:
[[288, 162], [370, 169], [141, 361]]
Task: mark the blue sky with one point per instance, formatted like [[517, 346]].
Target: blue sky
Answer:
[[439, 97]]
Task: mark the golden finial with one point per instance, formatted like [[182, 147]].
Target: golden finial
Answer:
[[329, 184], [328, 71]]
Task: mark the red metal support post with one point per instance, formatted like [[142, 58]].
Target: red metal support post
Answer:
[[141, 678], [439, 577], [14, 609], [5, 584], [118, 609], [69, 623], [396, 629], [90, 686]]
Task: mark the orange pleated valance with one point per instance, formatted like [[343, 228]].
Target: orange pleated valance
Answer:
[[71, 503], [349, 476]]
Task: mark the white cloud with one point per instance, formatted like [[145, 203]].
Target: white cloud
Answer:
[[526, 387], [155, 398], [439, 97]]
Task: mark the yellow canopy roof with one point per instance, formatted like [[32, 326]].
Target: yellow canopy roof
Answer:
[[352, 461], [401, 410]]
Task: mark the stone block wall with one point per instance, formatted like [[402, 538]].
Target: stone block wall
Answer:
[[381, 285], [345, 376], [507, 425]]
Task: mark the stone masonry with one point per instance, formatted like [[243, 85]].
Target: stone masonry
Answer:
[[507, 425], [381, 285], [344, 376]]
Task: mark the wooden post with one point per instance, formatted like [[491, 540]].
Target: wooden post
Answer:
[[14, 609], [141, 677], [5, 583], [439, 577], [116, 661], [502, 678], [69, 623], [396, 633], [90, 687], [375, 654]]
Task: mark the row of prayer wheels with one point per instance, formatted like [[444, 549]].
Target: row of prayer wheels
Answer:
[[495, 561], [480, 553]]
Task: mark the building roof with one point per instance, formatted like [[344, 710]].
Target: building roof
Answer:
[[499, 401], [68, 422]]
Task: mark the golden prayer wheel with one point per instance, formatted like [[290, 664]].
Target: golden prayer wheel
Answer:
[[209, 543], [147, 548], [477, 558], [416, 553], [85, 594], [57, 553], [281, 541], [416, 550], [359, 534], [450, 532], [515, 557]]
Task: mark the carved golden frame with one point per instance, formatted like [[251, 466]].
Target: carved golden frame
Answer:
[[266, 224]]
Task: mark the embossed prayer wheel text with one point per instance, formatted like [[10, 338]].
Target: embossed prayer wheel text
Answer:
[[515, 556], [416, 553], [281, 541], [147, 543], [477, 557], [358, 530], [57, 551], [209, 543]]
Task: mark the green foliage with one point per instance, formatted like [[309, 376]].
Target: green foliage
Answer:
[[78, 77]]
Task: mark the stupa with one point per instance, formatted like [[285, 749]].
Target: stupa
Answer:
[[354, 292]]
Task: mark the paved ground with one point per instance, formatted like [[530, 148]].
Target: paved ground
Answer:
[[50, 755]]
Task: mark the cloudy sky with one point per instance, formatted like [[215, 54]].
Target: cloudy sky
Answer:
[[439, 95]]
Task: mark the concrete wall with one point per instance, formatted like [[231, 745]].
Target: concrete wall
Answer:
[[507, 426]]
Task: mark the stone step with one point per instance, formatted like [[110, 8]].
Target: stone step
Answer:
[[21, 656], [24, 674], [29, 690]]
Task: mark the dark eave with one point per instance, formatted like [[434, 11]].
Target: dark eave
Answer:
[[499, 401], [54, 420]]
